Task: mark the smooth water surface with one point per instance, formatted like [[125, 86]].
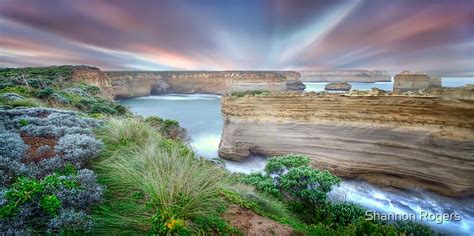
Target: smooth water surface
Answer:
[[200, 114]]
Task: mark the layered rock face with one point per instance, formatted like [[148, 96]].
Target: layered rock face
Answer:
[[133, 84], [410, 81], [395, 140], [93, 76], [293, 81], [362, 76], [341, 86]]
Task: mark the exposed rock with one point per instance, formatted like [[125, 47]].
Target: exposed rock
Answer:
[[339, 86], [293, 81], [93, 76], [411, 81], [139, 83], [364, 76], [400, 140]]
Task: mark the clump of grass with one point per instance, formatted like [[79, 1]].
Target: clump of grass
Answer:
[[171, 187], [25, 102]]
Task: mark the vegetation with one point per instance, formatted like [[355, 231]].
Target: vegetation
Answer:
[[303, 190], [177, 193], [98, 170], [53, 87], [251, 93]]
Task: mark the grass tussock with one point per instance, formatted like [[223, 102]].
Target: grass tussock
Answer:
[[144, 170]]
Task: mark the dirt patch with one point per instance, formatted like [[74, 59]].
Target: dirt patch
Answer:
[[34, 143], [252, 224]]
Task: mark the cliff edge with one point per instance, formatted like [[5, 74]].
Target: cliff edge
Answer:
[[407, 141]]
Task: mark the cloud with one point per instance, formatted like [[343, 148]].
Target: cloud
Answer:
[[433, 36]]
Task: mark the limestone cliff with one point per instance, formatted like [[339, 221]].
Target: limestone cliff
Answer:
[[396, 140], [93, 76], [141, 83], [409, 81], [363, 76]]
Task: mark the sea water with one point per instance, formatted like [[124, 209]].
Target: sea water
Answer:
[[388, 86], [201, 115]]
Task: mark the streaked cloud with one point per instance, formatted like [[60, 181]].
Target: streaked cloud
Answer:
[[428, 35]]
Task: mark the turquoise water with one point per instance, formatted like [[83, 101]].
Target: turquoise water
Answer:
[[200, 114], [388, 86]]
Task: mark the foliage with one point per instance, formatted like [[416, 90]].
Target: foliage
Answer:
[[340, 213], [251, 93], [43, 199], [411, 228], [281, 164], [170, 128], [25, 102], [263, 183], [176, 188], [308, 185], [45, 93], [78, 148]]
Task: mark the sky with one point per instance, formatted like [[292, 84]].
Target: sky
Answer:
[[433, 36]]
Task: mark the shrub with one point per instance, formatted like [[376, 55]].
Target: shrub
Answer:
[[45, 93], [308, 185], [70, 221], [12, 146], [279, 165], [170, 128], [78, 148], [411, 228], [263, 183], [41, 203], [340, 213]]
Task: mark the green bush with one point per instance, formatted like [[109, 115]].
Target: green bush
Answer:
[[411, 228], [277, 165], [45, 93], [339, 213], [262, 183], [308, 185]]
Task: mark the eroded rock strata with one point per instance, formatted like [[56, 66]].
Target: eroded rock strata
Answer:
[[338, 86], [410, 81], [422, 141], [363, 76], [137, 83]]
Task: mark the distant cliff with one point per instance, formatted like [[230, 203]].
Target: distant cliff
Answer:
[[404, 141], [363, 76], [93, 76], [143, 83]]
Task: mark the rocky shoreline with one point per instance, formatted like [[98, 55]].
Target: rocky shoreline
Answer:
[[406, 140]]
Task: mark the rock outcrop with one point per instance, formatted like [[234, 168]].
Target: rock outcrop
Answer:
[[363, 76], [339, 86], [410, 81], [419, 141], [293, 81], [93, 76], [142, 83]]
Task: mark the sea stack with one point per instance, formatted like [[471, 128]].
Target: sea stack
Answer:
[[342, 86], [411, 81]]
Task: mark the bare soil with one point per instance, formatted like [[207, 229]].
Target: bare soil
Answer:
[[252, 224], [34, 143]]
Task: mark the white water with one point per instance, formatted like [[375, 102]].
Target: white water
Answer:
[[200, 115]]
